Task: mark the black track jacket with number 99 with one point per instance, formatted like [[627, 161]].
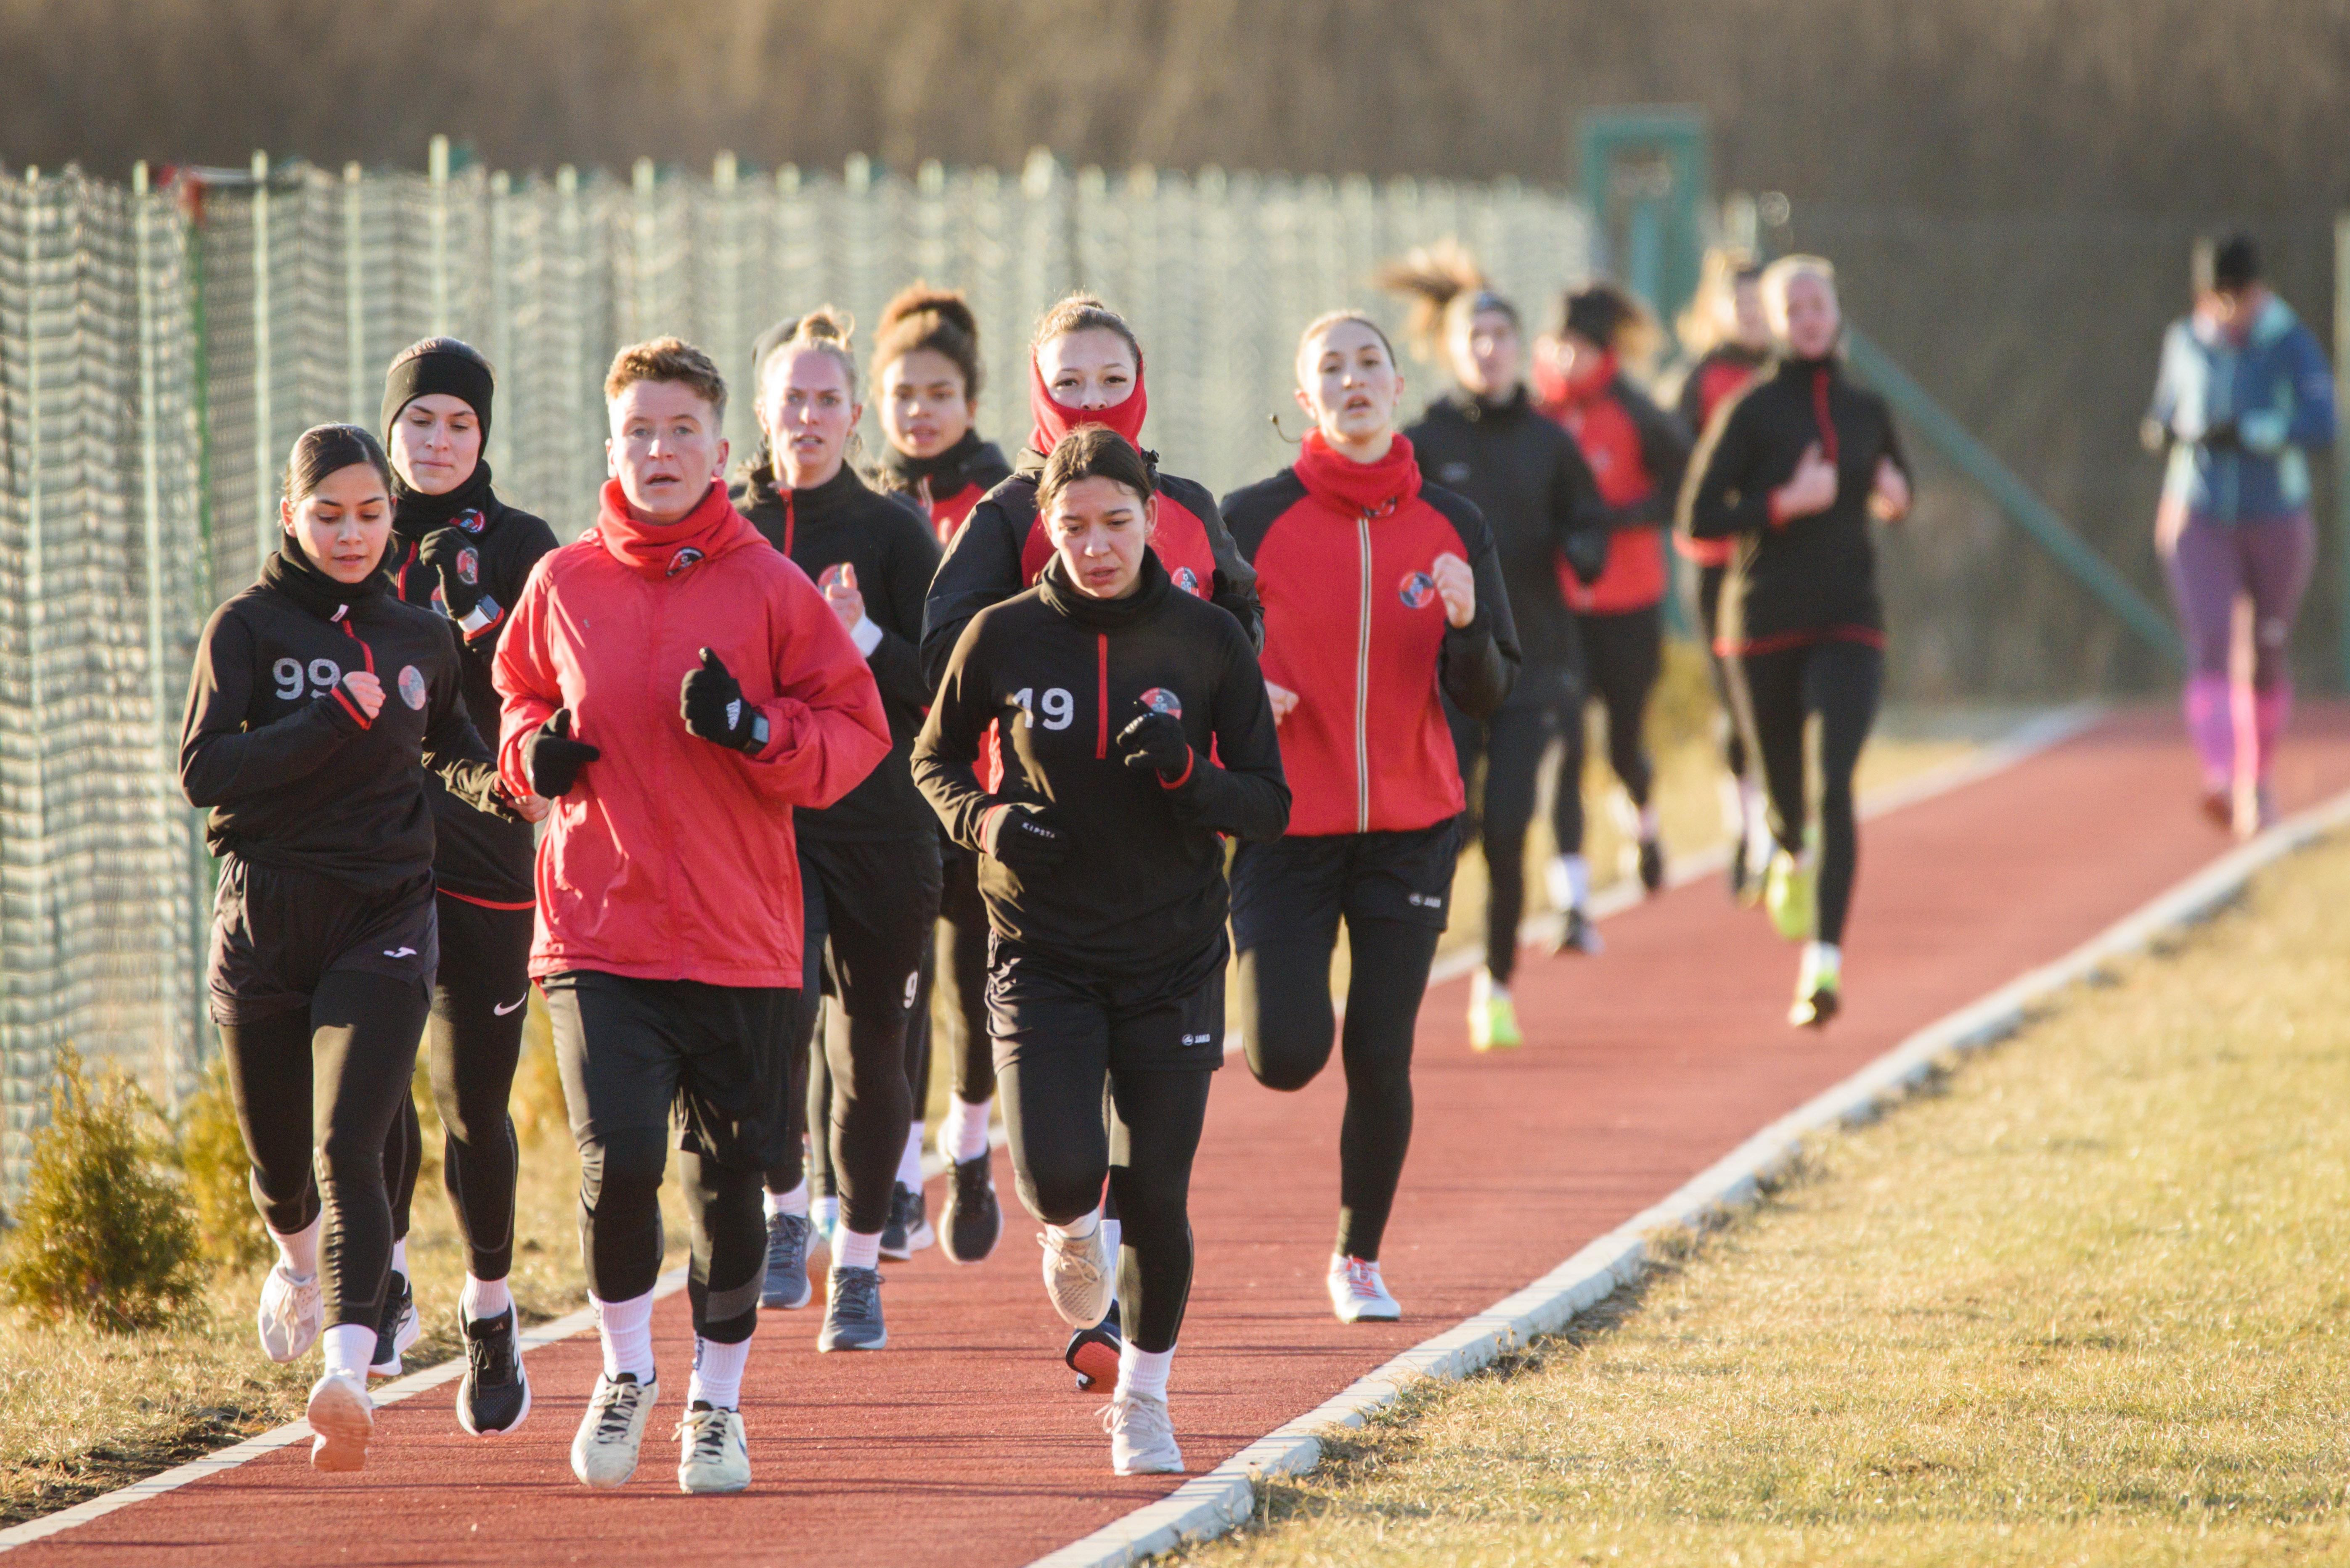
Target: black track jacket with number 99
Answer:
[[1142, 888]]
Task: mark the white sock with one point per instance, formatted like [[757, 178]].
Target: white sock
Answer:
[[909, 1163], [1084, 1225], [962, 1137], [1732, 796], [347, 1348], [1569, 880], [400, 1256], [855, 1248], [1822, 960], [795, 1201], [1483, 987], [1756, 814], [299, 1252], [823, 1211], [1113, 1236], [1143, 1371], [717, 1379], [1651, 825], [627, 1329], [482, 1299]]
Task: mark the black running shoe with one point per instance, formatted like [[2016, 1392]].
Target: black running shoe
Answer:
[[852, 1312], [495, 1394], [1652, 865], [397, 1328], [787, 1283], [908, 1230], [1092, 1353], [973, 1220], [1578, 934]]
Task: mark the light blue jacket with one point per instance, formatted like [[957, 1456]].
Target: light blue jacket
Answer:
[[2276, 388]]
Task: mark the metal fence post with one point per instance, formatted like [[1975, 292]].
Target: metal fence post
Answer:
[[438, 159], [355, 296], [265, 442]]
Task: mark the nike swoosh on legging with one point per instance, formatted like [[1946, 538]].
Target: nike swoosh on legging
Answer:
[[510, 1006]]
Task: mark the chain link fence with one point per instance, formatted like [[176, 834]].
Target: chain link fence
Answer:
[[160, 348]]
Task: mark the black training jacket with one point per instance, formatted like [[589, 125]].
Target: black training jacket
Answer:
[[888, 541], [1806, 579], [946, 487], [1062, 674], [294, 777], [483, 856], [1004, 546], [1529, 479]]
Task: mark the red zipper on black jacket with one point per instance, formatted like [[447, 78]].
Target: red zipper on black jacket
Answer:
[[1101, 697], [1820, 413], [342, 618]]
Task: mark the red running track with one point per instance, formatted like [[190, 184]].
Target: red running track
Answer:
[[962, 1443]]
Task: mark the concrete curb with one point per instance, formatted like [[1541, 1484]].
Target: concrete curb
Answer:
[[1216, 1502]]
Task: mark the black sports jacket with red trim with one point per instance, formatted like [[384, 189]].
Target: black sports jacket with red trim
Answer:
[[293, 773]]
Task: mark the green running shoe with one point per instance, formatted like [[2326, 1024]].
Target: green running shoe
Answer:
[[1493, 1025], [1817, 1002], [1791, 892]]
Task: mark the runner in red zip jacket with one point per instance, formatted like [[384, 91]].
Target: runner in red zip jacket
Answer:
[[676, 686], [1379, 593], [1636, 452]]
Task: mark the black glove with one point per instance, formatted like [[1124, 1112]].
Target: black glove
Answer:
[[712, 703], [1027, 838], [1587, 553], [1156, 741], [555, 758], [449, 551], [2221, 437]]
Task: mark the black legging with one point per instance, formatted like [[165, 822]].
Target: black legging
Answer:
[[1286, 1016], [1061, 1152], [332, 1079], [814, 1104], [1622, 656], [1709, 614], [1841, 682], [1500, 808], [479, 1008], [962, 979]]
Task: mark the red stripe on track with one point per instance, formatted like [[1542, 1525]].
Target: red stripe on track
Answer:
[[962, 1443]]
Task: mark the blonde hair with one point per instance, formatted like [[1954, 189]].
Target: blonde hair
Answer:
[[1704, 322], [1445, 284], [667, 359], [1781, 274], [825, 329]]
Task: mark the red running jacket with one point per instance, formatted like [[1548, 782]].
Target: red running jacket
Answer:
[[674, 858], [1354, 625], [1638, 453]]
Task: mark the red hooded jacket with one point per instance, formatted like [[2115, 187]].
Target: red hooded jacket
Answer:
[[1354, 625], [1638, 453], [673, 857]]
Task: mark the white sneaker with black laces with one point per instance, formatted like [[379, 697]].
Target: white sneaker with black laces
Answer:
[[342, 1420], [604, 1451], [399, 1328], [1078, 1280], [712, 1455], [1358, 1295], [1141, 1435], [292, 1313]]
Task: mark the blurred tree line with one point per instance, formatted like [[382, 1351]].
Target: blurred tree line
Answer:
[[2010, 186]]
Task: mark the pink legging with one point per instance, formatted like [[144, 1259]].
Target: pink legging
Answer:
[[2268, 560]]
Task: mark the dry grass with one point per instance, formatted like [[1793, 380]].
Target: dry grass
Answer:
[[2084, 1305]]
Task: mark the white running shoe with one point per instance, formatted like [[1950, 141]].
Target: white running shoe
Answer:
[[1079, 1279], [712, 1455], [292, 1313], [604, 1451], [1141, 1437], [1358, 1295], [342, 1419]]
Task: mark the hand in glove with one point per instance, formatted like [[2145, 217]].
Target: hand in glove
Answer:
[[1156, 741], [555, 758], [445, 550], [711, 703], [1027, 838], [1585, 550], [2220, 437]]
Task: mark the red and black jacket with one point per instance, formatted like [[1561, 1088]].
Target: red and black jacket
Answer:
[[1638, 453], [1724, 371], [947, 486], [482, 857], [1797, 580], [295, 775], [1059, 674], [1352, 624]]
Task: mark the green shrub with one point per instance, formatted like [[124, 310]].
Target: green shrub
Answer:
[[218, 1174], [101, 1235]]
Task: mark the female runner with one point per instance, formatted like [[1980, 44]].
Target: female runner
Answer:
[[459, 549], [926, 365], [1792, 475], [869, 862], [1109, 692], [1485, 440], [1354, 660], [317, 694], [1636, 452]]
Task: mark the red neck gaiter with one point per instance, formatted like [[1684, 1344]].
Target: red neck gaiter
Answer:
[[1054, 422], [1555, 392], [1360, 489], [664, 550]]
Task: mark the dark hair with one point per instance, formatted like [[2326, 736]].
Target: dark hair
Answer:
[[1083, 313], [938, 319], [323, 450], [2226, 263], [1601, 313], [1094, 451], [667, 359]]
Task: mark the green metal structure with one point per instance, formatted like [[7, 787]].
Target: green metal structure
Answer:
[[1646, 176]]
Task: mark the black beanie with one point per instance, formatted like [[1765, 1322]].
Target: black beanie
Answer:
[[439, 365], [2235, 264]]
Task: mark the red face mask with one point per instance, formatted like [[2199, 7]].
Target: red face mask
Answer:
[[1054, 420]]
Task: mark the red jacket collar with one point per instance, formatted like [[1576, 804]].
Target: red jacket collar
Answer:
[[1555, 392], [712, 528], [1054, 422], [1373, 488]]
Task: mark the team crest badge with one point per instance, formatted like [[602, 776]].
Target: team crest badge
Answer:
[[1158, 700], [682, 559], [411, 685], [472, 522], [1188, 581], [469, 564], [829, 576], [1417, 590]]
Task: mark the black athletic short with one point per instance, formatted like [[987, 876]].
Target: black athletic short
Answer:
[[1040, 1009], [1309, 881], [276, 933]]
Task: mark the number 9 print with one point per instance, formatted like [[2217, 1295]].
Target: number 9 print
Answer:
[[1060, 708], [324, 675]]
